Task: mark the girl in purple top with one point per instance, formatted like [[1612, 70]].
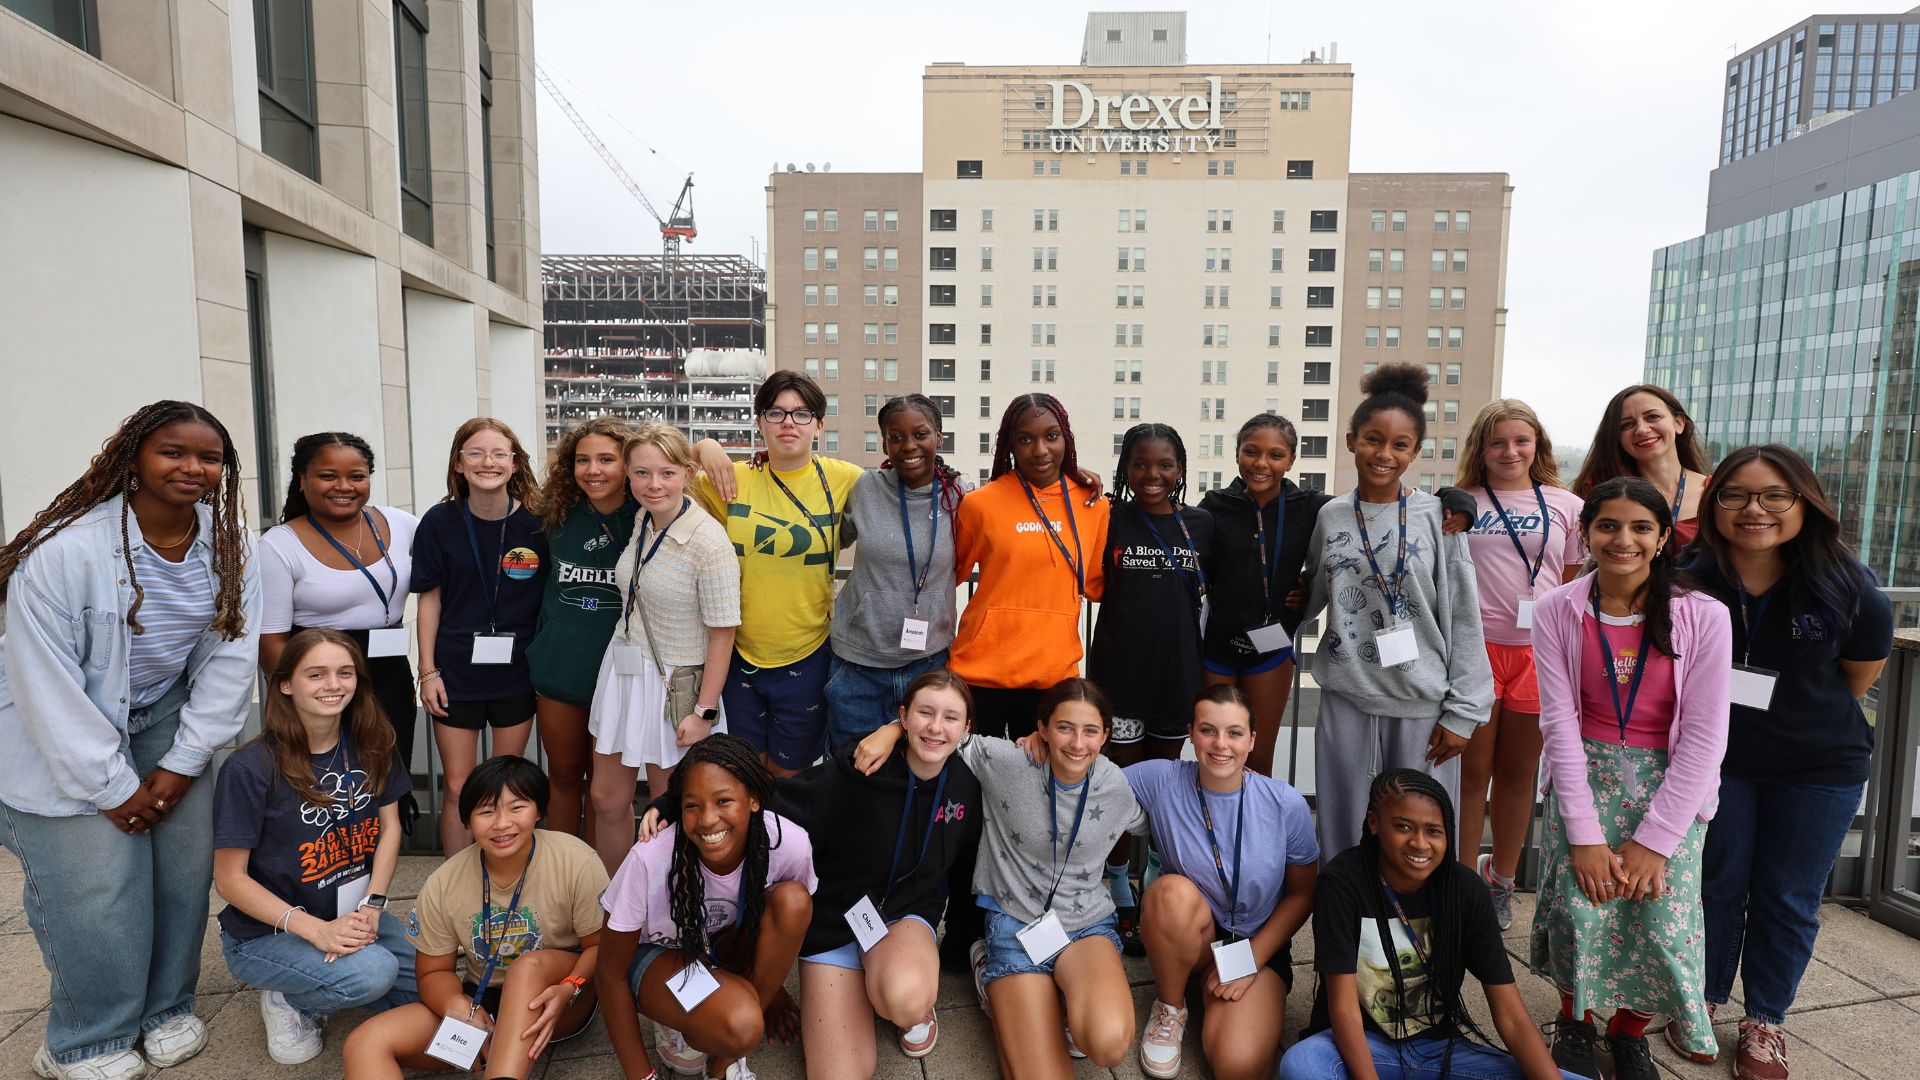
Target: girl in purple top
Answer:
[[1634, 668]]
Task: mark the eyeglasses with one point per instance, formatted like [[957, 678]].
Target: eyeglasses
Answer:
[[777, 415], [475, 457], [1772, 500]]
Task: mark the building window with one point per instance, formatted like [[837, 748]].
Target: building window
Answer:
[[870, 221], [1046, 221], [1440, 220], [809, 219], [832, 219], [1315, 409], [830, 258], [1280, 221], [942, 220], [1456, 336], [1393, 337], [890, 370], [1313, 446], [1377, 221], [832, 293], [283, 51], [1276, 259], [870, 295], [1453, 374], [986, 221], [1449, 449], [1317, 373], [1371, 337], [1397, 261], [890, 295], [1273, 342], [1274, 293], [1459, 260], [937, 295], [1299, 170], [1399, 219], [937, 258], [872, 441], [945, 403], [940, 371], [811, 295], [986, 333], [1373, 297], [1462, 218], [1433, 337], [1457, 298], [986, 372], [890, 220], [1450, 411], [986, 407], [870, 368], [1376, 260], [810, 258], [1320, 260], [1436, 298], [986, 296], [937, 333], [890, 259], [1323, 221], [986, 258], [873, 404], [986, 441], [832, 333], [1394, 293], [1319, 336], [966, 170], [1439, 264], [416, 168], [833, 404]]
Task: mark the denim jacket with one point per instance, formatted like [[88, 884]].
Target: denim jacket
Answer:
[[64, 648]]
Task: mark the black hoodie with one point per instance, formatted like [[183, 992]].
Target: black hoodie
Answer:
[[1233, 571]]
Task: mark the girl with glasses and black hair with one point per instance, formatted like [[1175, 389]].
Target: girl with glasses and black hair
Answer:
[[1810, 635]]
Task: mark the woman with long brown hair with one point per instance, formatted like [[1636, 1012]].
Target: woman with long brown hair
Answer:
[[128, 660], [1644, 431], [312, 934]]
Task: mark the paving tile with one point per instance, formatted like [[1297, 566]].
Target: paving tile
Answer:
[[966, 1048], [411, 873], [10, 1022], [1874, 953], [17, 1049], [26, 985], [1875, 1038], [1824, 986], [214, 976]]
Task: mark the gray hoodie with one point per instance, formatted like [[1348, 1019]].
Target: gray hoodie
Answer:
[[878, 595]]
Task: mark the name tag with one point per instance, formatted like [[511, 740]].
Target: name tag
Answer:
[[1397, 646], [1043, 938], [387, 642], [868, 928], [1206, 610], [1523, 615], [631, 660], [1752, 687], [1269, 638], [457, 1043], [1234, 959], [693, 985], [913, 635], [348, 894], [493, 648]]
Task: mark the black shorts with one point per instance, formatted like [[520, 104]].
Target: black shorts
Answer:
[[498, 713]]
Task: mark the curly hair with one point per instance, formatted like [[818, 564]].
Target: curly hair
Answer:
[[557, 497], [363, 723], [519, 485], [686, 889], [305, 449], [1016, 410], [112, 472], [1393, 386]]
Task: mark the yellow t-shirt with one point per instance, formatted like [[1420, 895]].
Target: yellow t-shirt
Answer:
[[786, 556], [559, 905]]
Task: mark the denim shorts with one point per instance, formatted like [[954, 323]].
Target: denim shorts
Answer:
[[848, 955], [1006, 956], [643, 957], [862, 699]]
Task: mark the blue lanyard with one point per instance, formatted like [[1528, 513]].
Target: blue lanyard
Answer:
[[1197, 579], [906, 814], [1398, 594], [606, 528], [1679, 495], [473, 543], [393, 572], [1546, 526], [1613, 679], [833, 549], [646, 555], [1269, 556], [914, 573], [1406, 924], [486, 920], [1053, 830], [1076, 560], [1232, 888], [1752, 610]]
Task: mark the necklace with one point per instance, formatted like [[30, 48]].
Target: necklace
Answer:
[[192, 527]]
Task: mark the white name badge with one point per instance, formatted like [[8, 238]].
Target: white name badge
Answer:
[[913, 635], [631, 660], [1206, 610], [869, 929], [1752, 687], [457, 1043], [1043, 938], [348, 894], [1397, 646], [1523, 615], [1269, 638], [693, 985], [387, 642], [493, 648], [1234, 959]]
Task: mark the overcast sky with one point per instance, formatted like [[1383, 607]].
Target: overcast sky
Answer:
[[1606, 117]]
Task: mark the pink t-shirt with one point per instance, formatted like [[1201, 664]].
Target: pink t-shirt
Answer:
[[1652, 718], [637, 898], [1499, 570]]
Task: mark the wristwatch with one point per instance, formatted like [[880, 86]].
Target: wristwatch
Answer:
[[378, 901], [709, 715]]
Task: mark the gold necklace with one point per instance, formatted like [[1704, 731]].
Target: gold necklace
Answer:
[[192, 528]]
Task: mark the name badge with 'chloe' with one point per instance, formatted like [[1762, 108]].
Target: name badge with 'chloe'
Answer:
[[869, 929]]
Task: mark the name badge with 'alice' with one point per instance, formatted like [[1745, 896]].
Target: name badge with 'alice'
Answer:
[[1043, 938], [457, 1043]]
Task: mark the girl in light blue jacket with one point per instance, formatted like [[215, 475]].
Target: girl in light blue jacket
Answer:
[[126, 660]]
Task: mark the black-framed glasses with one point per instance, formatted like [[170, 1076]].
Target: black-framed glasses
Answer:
[[777, 415], [1772, 500]]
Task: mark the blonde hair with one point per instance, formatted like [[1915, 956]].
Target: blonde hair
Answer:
[[666, 438], [1473, 460]]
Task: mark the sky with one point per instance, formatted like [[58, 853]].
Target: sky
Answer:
[[1605, 116]]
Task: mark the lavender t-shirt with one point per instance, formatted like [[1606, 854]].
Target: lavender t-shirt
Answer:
[[1279, 834], [637, 898], [1498, 568]]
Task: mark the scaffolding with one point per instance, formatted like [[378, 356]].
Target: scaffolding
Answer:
[[679, 339]]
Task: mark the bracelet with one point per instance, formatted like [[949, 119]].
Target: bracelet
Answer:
[[284, 924], [579, 984], [425, 675]]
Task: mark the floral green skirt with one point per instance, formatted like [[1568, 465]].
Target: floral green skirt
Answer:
[[1642, 954]]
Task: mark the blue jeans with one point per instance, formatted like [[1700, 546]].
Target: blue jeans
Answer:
[[1769, 851], [120, 919], [861, 700], [1317, 1058], [380, 974]]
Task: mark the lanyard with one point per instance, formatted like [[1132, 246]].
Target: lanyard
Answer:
[[1053, 830], [1398, 594], [906, 814], [1075, 560], [646, 555], [914, 572], [1679, 495], [393, 572], [1613, 679], [473, 543], [1232, 887], [1750, 620], [833, 549], [1269, 557], [1197, 580], [486, 920], [740, 911], [1406, 924], [606, 528], [1546, 526]]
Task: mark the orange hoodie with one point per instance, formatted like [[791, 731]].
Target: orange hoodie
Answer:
[[1021, 629]]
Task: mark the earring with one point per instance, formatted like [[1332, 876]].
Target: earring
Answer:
[[133, 484]]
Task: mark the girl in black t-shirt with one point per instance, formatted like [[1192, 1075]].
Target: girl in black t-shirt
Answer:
[[1397, 924]]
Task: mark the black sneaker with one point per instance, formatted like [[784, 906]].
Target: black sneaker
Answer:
[[1129, 929], [1575, 1047], [1632, 1060]]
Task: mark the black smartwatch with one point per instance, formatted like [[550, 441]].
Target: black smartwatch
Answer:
[[377, 901], [709, 715]]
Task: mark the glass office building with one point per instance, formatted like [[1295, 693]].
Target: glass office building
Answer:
[[1828, 64]]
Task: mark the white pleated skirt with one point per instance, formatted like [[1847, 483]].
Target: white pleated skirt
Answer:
[[629, 717]]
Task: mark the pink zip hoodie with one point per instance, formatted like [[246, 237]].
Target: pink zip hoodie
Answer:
[[1703, 636]]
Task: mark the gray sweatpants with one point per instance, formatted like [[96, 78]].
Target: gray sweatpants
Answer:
[[1350, 748]]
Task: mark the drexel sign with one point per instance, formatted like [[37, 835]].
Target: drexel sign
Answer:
[[1138, 123]]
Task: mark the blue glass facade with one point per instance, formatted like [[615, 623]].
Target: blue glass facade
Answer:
[[1857, 62], [1801, 328]]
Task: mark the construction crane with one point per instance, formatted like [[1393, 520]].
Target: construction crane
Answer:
[[676, 227]]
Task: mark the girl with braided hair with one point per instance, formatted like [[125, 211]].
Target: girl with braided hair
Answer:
[[127, 660], [728, 890], [1397, 925]]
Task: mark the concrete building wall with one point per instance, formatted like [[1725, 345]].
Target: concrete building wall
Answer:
[[441, 369], [516, 392]]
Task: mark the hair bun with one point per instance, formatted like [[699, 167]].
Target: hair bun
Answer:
[[1406, 380]]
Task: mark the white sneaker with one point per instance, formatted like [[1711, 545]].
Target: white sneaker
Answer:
[[175, 1041], [1073, 1051], [293, 1037], [738, 1071], [678, 1056], [917, 1041], [119, 1065], [1160, 1042], [977, 959]]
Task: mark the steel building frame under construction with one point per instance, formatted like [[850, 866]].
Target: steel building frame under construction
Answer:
[[680, 339]]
